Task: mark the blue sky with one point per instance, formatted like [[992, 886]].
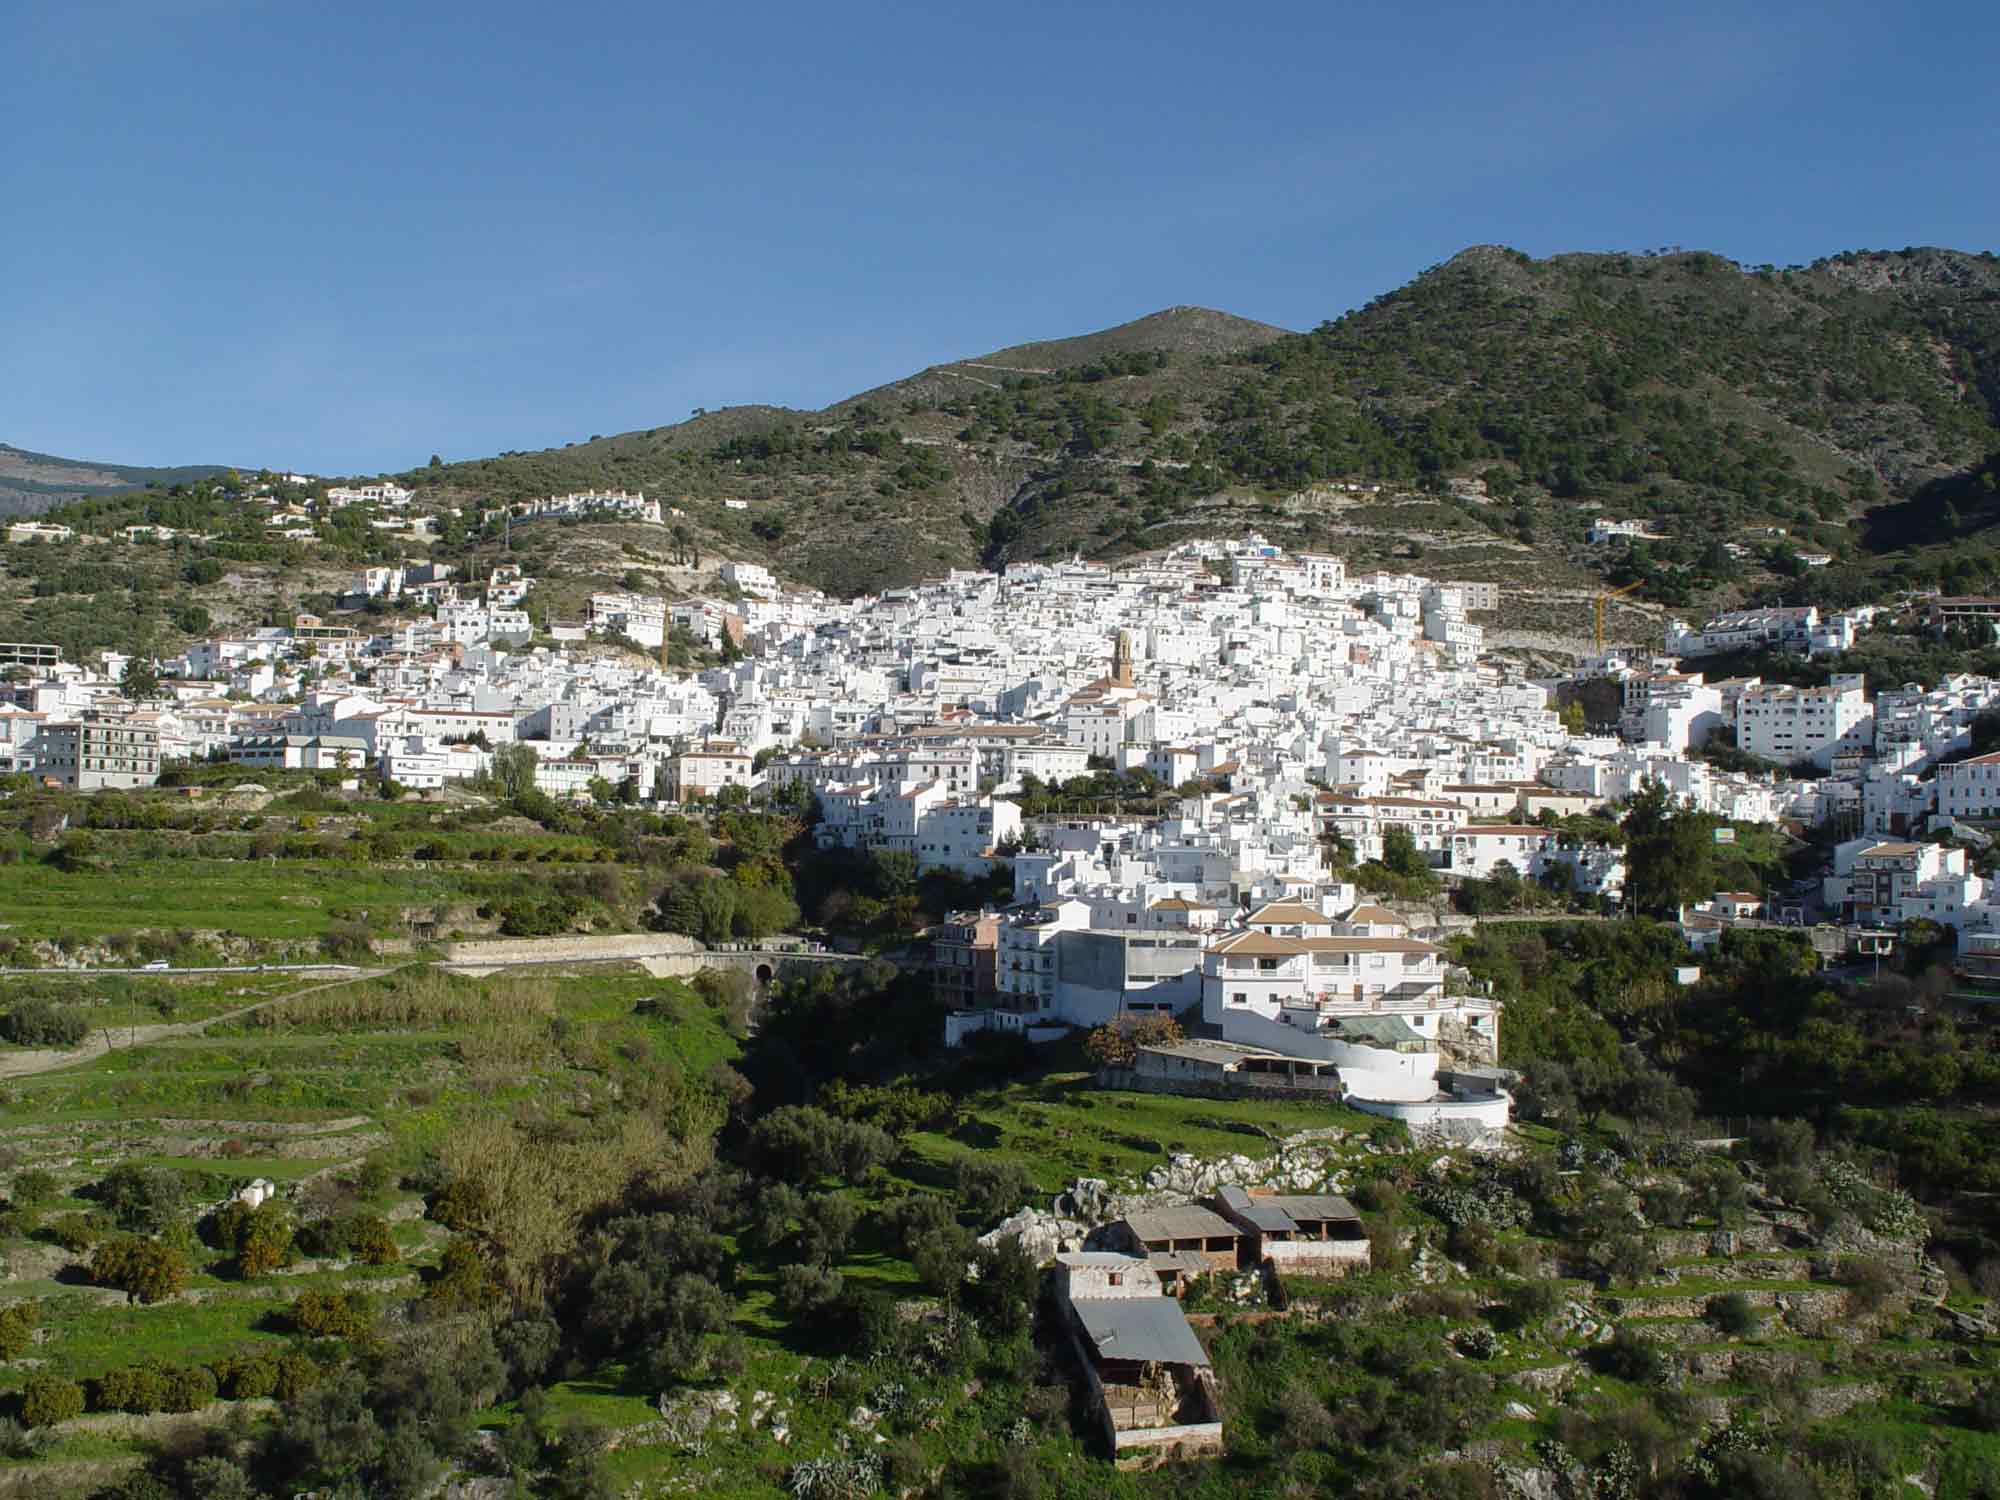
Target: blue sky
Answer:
[[343, 237]]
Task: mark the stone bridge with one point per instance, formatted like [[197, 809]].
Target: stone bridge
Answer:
[[761, 964]]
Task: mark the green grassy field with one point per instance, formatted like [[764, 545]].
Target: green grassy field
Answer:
[[294, 1097], [119, 1002], [289, 901], [1060, 1126], [308, 1089]]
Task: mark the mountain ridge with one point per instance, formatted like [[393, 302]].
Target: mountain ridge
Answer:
[[32, 482], [1493, 400], [1479, 417]]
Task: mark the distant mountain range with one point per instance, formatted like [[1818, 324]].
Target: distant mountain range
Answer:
[[33, 482], [1480, 417]]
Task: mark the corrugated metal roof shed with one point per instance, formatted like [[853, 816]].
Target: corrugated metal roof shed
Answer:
[[1187, 1223], [1313, 1206], [1141, 1328], [1267, 1217]]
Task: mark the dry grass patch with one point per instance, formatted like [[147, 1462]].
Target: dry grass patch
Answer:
[[419, 1000]]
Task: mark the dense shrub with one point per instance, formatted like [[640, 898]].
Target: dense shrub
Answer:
[[1448, 1303], [48, 1399], [247, 1378], [139, 1389], [1302, 1421], [34, 1188], [1633, 1357], [1782, 1142], [36, 1023], [141, 1268], [804, 1290], [1388, 1246], [1666, 1204], [296, 1374], [141, 1199], [462, 1278], [800, 1144], [916, 1216], [1526, 1305], [333, 1314], [461, 1204], [76, 1233], [259, 1239], [189, 1389], [1626, 1258], [1473, 1245], [1983, 1411], [898, 1109], [372, 1244], [991, 1187], [1734, 1314], [1870, 1284], [17, 1329], [347, 943], [1116, 1044]]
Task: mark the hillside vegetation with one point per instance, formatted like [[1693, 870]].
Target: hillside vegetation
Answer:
[[31, 482], [1471, 424], [1498, 402]]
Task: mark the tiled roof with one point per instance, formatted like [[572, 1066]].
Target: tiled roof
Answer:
[[1259, 945]]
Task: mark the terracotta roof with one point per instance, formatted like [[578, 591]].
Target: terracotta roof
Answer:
[[1369, 945], [1372, 912], [1258, 944], [1288, 912]]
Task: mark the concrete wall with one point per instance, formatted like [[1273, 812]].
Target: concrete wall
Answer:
[[1490, 1114], [542, 950], [666, 955], [1318, 1257], [1127, 1078], [1138, 1448]]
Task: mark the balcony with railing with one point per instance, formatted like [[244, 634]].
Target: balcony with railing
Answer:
[[1414, 996]]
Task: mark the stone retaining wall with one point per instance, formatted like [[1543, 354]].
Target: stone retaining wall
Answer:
[[573, 949], [1827, 1303], [1133, 1080]]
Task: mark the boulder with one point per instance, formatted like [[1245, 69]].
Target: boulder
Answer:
[[1043, 1235]]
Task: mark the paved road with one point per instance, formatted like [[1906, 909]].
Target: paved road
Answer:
[[48, 1059], [171, 973]]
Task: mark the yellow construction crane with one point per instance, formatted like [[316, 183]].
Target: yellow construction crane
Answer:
[[1605, 598]]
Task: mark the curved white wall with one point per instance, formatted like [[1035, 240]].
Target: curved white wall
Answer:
[[1490, 1114]]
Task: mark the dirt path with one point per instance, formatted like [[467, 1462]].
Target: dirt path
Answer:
[[48, 1059]]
